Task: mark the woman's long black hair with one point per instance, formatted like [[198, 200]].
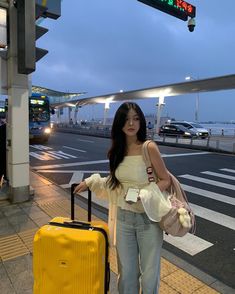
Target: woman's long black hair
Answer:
[[119, 147]]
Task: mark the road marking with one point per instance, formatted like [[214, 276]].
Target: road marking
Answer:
[[85, 141], [40, 147], [72, 171], [69, 164], [209, 194], [79, 150], [190, 244], [228, 170], [62, 154], [106, 160], [219, 175], [76, 178], [207, 181], [185, 154], [38, 156], [51, 155], [213, 216]]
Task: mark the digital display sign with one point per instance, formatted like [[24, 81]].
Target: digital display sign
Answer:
[[37, 102], [178, 8]]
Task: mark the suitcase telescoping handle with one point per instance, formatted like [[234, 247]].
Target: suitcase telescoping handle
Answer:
[[73, 202]]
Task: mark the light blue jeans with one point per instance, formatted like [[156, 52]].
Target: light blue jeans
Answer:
[[139, 244]]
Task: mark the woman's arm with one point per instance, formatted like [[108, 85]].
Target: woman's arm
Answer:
[[159, 166]]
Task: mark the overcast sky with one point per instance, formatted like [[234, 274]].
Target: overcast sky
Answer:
[[103, 46]]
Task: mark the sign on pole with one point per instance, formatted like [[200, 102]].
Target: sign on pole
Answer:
[[178, 8]]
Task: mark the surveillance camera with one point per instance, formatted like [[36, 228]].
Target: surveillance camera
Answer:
[[191, 24]]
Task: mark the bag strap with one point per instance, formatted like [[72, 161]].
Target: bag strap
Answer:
[[175, 184], [147, 161]]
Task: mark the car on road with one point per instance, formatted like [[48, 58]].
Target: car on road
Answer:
[[177, 131], [202, 132]]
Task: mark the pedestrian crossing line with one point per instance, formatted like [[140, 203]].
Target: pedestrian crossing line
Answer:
[[41, 156], [189, 243], [219, 175], [184, 154], [51, 155], [228, 170], [61, 154], [207, 181], [79, 150], [209, 194], [70, 164], [213, 216], [40, 147]]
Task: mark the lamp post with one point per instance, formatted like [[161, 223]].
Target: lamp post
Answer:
[[189, 78]]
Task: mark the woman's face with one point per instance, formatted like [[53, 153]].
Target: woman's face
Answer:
[[132, 124]]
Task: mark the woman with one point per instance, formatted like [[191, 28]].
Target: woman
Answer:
[[137, 238]]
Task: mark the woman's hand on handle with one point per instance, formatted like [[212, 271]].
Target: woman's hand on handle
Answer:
[[81, 187]]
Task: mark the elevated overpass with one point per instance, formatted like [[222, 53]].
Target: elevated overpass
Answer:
[[61, 99]]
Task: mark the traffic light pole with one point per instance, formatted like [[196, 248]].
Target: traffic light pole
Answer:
[[17, 120]]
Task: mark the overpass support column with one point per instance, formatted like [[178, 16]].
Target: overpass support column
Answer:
[[17, 121], [106, 109], [58, 115], [160, 104], [76, 114], [69, 115]]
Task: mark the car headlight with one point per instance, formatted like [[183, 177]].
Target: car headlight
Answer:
[[47, 131], [187, 133]]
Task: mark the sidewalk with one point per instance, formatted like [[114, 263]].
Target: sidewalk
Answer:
[[19, 222]]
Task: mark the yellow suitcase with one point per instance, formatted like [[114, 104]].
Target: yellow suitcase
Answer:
[[71, 257]]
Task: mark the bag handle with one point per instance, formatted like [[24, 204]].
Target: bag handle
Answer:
[[73, 186]]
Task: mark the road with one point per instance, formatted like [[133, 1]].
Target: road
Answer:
[[208, 178]]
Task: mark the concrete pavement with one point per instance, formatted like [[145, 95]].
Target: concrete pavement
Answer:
[[19, 222]]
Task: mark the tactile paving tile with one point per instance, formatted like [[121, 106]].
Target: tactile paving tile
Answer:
[[182, 282], [206, 290], [166, 289], [27, 238], [11, 247], [53, 209], [167, 268]]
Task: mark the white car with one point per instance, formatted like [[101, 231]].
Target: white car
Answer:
[[202, 132]]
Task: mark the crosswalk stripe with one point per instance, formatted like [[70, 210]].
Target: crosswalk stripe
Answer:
[[207, 181], [37, 155], [184, 154], [40, 147], [190, 244], [228, 170], [209, 194], [219, 175], [61, 154], [70, 164], [79, 150], [51, 155], [213, 216], [76, 178]]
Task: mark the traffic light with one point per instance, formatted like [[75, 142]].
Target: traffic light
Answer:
[[28, 12]]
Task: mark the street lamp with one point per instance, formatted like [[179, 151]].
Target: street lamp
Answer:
[[189, 78]]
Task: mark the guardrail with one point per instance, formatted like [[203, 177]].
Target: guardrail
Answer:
[[213, 143]]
